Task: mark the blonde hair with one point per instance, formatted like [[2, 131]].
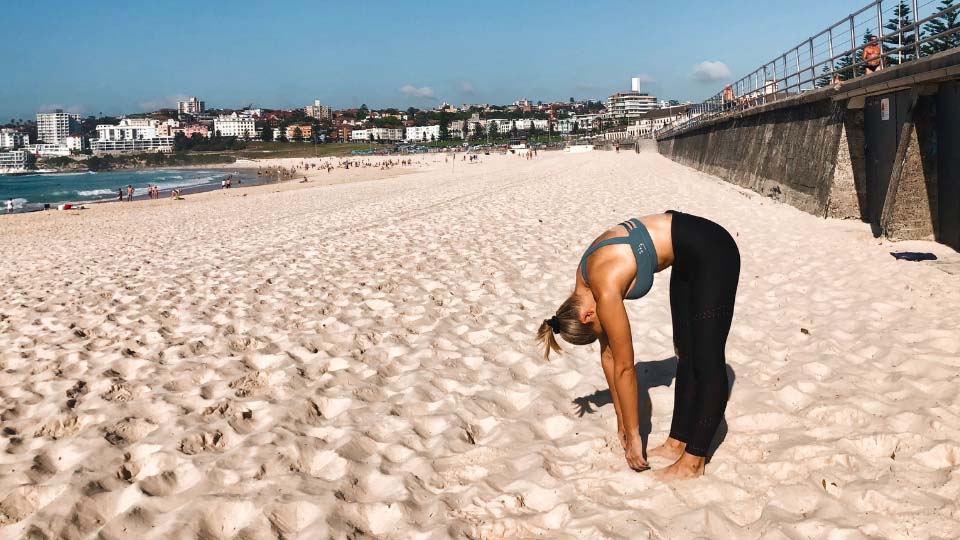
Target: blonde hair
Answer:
[[566, 323]]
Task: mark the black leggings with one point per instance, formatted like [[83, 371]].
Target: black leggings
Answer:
[[703, 289]]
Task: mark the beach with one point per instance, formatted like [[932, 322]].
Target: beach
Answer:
[[30, 193], [355, 358]]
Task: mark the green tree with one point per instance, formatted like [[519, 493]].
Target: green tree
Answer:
[[825, 79], [297, 134], [266, 134], [940, 25], [444, 126], [513, 129], [575, 128], [180, 142], [899, 36], [477, 131], [845, 68]]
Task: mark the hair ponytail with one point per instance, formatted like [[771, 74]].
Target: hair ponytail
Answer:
[[545, 335], [566, 323]]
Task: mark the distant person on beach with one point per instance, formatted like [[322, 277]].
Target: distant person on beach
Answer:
[[129, 193], [120, 194], [872, 55], [619, 265], [9, 205]]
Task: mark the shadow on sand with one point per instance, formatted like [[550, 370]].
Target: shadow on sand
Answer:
[[651, 375]]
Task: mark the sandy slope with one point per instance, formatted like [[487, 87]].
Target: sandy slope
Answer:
[[356, 361]]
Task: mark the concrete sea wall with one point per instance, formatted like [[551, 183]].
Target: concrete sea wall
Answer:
[[787, 153]]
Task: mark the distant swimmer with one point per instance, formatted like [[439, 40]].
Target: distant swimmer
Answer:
[[620, 265], [9, 205]]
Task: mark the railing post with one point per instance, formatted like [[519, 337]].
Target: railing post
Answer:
[[916, 31], [880, 28], [830, 46], [813, 69], [853, 47], [798, 69]]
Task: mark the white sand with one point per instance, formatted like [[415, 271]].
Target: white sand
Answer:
[[357, 361]]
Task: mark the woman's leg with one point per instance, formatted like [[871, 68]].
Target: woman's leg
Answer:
[[685, 384], [712, 293], [709, 330], [685, 390]]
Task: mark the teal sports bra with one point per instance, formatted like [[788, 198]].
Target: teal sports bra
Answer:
[[643, 251]]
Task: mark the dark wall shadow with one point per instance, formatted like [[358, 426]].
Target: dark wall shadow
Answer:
[[651, 375]]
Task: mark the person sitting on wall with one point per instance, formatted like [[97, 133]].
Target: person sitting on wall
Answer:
[[872, 55], [728, 98]]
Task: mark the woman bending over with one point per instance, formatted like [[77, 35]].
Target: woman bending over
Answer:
[[619, 266]]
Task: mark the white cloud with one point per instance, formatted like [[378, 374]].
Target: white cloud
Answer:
[[168, 102], [711, 71], [424, 92], [466, 87]]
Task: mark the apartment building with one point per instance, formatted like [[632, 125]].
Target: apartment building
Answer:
[[235, 125], [191, 106], [53, 128]]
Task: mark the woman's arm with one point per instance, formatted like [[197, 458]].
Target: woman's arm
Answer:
[[606, 360], [616, 327]]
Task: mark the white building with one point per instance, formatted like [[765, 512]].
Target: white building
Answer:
[[156, 144], [583, 123], [649, 124], [191, 106], [500, 125], [524, 124], [128, 129], [377, 134], [630, 104], [423, 133], [131, 135], [318, 111], [53, 128], [235, 125], [75, 143], [49, 150], [15, 161], [11, 139]]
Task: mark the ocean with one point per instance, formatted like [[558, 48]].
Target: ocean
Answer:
[[32, 192]]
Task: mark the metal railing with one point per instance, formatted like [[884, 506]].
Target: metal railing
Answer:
[[816, 63]]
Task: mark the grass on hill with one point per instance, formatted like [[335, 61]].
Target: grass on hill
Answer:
[[260, 150]]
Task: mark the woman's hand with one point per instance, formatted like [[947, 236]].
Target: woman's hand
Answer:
[[634, 452]]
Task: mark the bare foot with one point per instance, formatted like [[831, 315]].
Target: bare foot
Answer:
[[671, 449], [688, 466]]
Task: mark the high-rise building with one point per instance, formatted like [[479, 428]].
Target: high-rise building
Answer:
[[318, 111], [191, 106], [631, 104], [53, 128]]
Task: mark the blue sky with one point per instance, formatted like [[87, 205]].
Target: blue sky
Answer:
[[117, 57]]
